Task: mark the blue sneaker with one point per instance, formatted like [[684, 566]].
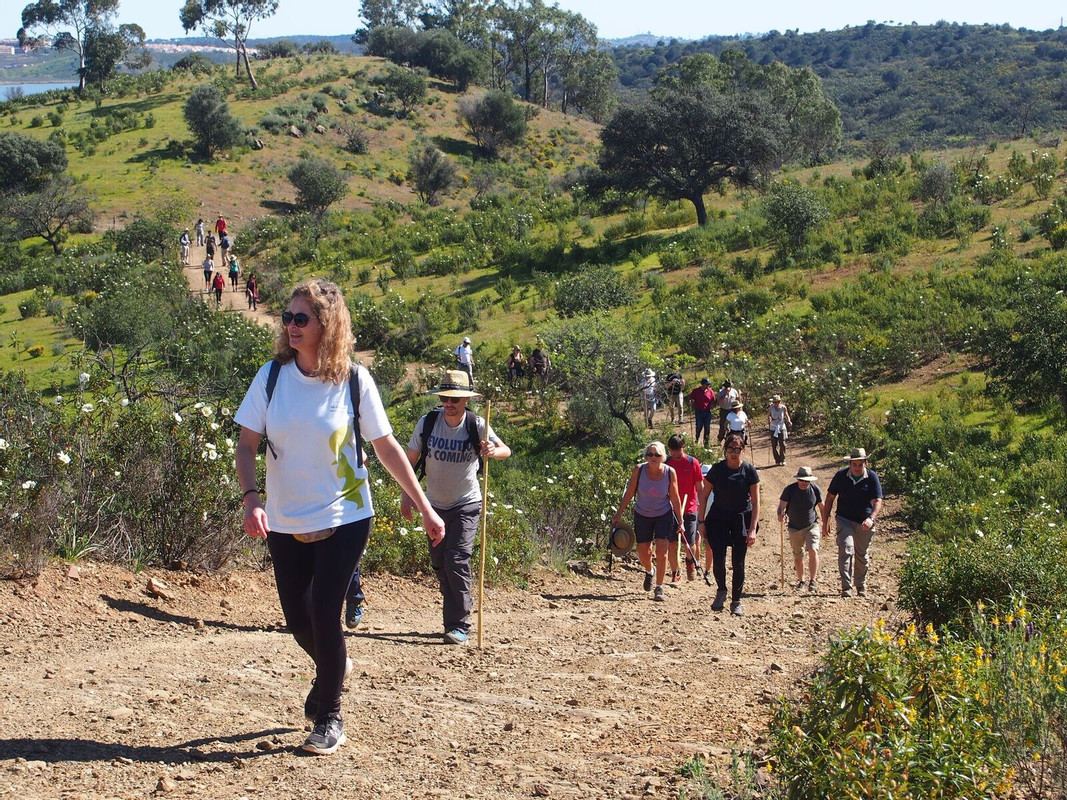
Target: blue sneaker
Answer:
[[353, 615], [456, 637]]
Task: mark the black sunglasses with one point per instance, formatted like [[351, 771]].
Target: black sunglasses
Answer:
[[300, 318]]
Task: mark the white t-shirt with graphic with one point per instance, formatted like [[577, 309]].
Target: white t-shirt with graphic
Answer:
[[315, 482], [451, 466]]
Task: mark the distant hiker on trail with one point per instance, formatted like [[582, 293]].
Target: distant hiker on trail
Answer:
[[675, 383], [516, 363], [737, 419], [860, 493], [200, 233], [235, 272], [252, 291], [449, 443], [649, 396], [780, 423], [732, 519], [209, 246], [703, 400], [209, 270], [726, 398], [465, 358], [539, 363], [657, 514], [319, 512], [801, 502], [690, 479], [185, 242], [224, 246], [218, 284], [220, 226]]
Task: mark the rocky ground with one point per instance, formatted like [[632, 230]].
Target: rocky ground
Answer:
[[584, 687]]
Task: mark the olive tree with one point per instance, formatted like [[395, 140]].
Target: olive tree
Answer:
[[432, 172], [208, 117], [319, 184]]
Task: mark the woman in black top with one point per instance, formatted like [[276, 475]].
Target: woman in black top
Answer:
[[732, 518]]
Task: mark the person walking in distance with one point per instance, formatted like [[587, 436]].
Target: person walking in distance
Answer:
[[218, 283], [725, 399], [184, 242], [209, 271], [465, 358], [200, 233], [702, 399], [649, 396], [801, 504], [737, 420], [780, 423], [657, 514], [690, 480], [235, 272], [675, 384], [316, 407], [220, 226], [858, 493], [732, 519], [252, 291], [448, 444]]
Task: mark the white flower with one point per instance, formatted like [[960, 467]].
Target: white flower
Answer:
[[212, 454], [577, 539], [58, 399], [118, 474], [206, 411], [225, 411], [63, 457], [177, 417], [125, 401], [198, 406], [496, 560], [214, 426], [87, 408], [403, 531], [84, 378], [3, 444], [29, 485]]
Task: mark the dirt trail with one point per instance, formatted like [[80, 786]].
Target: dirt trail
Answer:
[[231, 300], [585, 687]]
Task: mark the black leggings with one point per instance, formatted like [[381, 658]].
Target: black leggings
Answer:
[[719, 537], [312, 580]]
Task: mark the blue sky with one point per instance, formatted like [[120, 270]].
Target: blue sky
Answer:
[[689, 19]]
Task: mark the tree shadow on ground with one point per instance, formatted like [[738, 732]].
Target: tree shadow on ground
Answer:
[[159, 615], [53, 751], [279, 206], [457, 147], [405, 637]]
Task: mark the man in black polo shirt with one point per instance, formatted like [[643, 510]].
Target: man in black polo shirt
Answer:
[[860, 494]]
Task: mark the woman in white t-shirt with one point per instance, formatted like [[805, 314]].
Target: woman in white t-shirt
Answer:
[[318, 513]]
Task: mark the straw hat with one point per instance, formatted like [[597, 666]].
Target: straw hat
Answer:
[[805, 474], [454, 383], [737, 404], [857, 454], [621, 540]]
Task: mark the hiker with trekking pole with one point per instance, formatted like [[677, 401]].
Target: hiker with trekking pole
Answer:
[[657, 514], [448, 446], [690, 478], [733, 519]]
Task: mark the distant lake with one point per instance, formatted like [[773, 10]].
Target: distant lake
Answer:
[[32, 88]]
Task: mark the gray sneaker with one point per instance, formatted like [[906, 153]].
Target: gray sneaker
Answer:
[[658, 595], [736, 609], [719, 601], [329, 734]]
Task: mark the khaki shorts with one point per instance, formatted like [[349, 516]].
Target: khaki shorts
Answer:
[[802, 539]]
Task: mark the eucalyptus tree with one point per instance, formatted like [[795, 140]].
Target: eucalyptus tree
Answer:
[[226, 20], [64, 25]]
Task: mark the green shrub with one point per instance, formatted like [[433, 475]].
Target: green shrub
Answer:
[[32, 306], [592, 289], [35, 350]]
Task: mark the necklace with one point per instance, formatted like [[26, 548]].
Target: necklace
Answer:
[[304, 372]]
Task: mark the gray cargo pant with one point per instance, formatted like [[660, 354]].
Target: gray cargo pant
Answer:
[[451, 561]]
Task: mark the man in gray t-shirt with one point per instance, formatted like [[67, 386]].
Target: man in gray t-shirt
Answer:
[[452, 488], [802, 503]]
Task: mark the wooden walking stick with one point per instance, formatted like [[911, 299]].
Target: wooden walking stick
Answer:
[[485, 519], [781, 538]]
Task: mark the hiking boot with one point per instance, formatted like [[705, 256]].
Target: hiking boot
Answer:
[[658, 595], [800, 585], [353, 615], [719, 601], [328, 735], [456, 636], [813, 587], [861, 591], [311, 702], [736, 609], [648, 581], [690, 573]]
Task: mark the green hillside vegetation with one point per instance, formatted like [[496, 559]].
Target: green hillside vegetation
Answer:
[[910, 305]]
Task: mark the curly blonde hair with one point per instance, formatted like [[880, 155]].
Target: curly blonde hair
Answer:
[[337, 342]]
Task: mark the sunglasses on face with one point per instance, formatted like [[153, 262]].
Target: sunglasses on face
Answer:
[[734, 449], [300, 318], [653, 455], [451, 399]]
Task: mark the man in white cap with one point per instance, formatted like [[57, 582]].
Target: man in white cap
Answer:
[[465, 358], [780, 422], [801, 502], [185, 242], [860, 493], [448, 444]]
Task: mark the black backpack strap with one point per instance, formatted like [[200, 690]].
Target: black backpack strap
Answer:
[[272, 381], [428, 423], [353, 391]]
